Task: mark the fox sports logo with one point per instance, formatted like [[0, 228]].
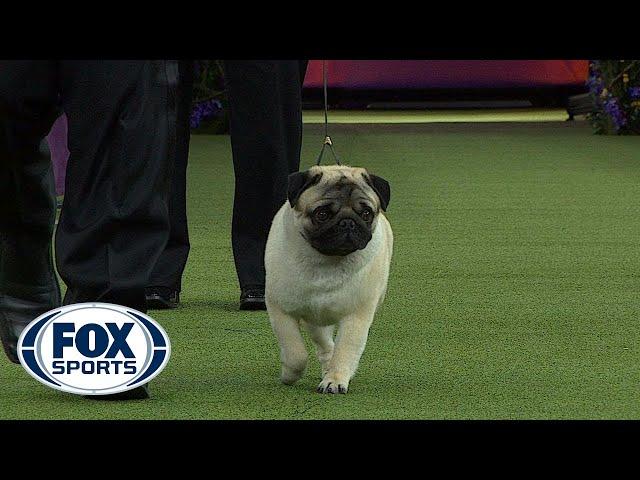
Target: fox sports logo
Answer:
[[94, 348]]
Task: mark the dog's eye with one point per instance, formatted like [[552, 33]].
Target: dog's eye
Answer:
[[322, 214], [366, 214]]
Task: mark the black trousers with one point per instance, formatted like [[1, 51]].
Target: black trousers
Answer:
[[170, 266], [114, 222], [266, 137]]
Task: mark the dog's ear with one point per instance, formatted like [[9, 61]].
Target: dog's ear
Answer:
[[382, 189], [299, 182]]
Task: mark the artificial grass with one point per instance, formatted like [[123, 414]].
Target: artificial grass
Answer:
[[439, 116], [514, 290]]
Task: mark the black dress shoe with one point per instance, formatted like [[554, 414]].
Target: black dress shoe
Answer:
[[26, 294], [17, 313], [162, 298], [252, 298], [138, 393]]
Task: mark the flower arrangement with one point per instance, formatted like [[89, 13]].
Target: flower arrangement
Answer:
[[615, 88], [210, 103]]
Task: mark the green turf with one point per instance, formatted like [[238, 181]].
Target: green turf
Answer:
[[514, 290], [439, 116]]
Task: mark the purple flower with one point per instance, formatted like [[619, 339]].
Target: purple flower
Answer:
[[612, 107], [203, 110], [634, 92], [595, 85]]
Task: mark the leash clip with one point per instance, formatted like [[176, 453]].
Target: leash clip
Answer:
[[328, 142]]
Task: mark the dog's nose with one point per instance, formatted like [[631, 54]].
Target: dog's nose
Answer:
[[347, 224]]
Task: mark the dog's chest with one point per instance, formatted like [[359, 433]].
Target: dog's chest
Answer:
[[322, 297]]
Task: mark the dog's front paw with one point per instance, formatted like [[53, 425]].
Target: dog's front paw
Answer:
[[333, 384]]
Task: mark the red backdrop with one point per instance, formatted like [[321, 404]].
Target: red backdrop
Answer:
[[404, 74]]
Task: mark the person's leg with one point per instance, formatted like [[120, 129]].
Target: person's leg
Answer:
[[166, 279], [114, 222], [28, 283], [266, 133]]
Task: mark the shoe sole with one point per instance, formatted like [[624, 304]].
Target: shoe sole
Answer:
[[156, 302], [252, 304]]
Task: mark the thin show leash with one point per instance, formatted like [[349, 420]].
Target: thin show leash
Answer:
[[327, 138]]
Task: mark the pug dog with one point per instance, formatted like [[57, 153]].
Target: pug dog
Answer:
[[327, 264]]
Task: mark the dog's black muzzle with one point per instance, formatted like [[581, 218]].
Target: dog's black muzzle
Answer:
[[345, 236]]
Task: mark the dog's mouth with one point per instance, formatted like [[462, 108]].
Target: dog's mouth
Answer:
[[341, 244]]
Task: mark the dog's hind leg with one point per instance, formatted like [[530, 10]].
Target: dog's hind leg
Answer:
[[293, 353], [322, 338]]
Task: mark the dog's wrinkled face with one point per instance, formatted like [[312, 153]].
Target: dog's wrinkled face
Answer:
[[336, 207]]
